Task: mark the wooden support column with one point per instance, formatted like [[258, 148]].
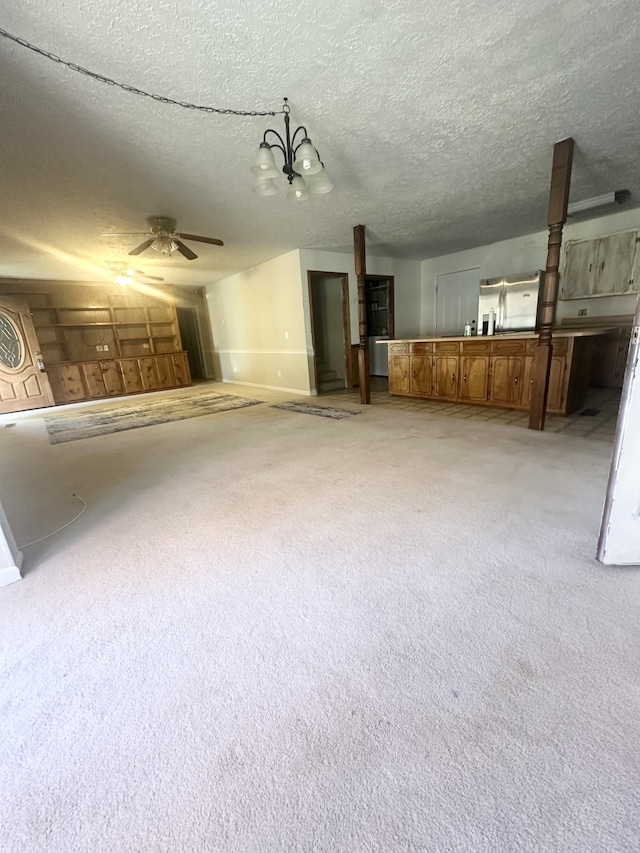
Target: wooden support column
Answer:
[[363, 349], [558, 201]]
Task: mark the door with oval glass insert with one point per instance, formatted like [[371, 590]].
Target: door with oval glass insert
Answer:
[[23, 384]]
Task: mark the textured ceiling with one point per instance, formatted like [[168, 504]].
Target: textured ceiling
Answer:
[[435, 121]]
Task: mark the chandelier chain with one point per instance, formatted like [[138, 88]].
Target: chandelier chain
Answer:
[[162, 99]]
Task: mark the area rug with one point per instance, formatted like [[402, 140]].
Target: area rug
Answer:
[[75, 425], [321, 411]]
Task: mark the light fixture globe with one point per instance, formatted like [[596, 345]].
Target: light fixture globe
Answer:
[[319, 183], [298, 191], [307, 161], [265, 187], [264, 165]]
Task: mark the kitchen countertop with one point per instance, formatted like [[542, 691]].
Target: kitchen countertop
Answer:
[[557, 333]]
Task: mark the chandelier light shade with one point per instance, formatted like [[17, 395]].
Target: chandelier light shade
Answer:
[[303, 167]]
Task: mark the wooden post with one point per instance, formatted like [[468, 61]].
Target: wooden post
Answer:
[[363, 349], [557, 216]]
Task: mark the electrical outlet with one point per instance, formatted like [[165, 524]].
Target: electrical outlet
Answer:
[[145, 346], [105, 348], [286, 336], [582, 312], [99, 348], [279, 374]]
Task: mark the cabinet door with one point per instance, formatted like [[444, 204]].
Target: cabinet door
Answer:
[[579, 269], [149, 374], [93, 379], [556, 381], [181, 368], [420, 381], [399, 374], [614, 264], [72, 385], [131, 379], [445, 376], [507, 373], [111, 377], [474, 378], [166, 373]]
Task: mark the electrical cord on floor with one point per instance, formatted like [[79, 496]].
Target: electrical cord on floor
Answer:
[[49, 535]]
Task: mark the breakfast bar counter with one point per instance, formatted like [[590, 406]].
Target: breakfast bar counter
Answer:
[[492, 370]]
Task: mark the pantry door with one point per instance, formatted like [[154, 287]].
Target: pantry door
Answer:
[[23, 384]]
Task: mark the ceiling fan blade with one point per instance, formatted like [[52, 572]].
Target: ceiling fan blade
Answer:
[[139, 249], [211, 240], [185, 250], [125, 234], [151, 277]]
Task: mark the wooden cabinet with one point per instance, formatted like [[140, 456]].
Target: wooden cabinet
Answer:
[[420, 379], [494, 371], [94, 379], [474, 378], [112, 378], [606, 266], [149, 374], [66, 383], [399, 374], [131, 378], [181, 368], [507, 374], [555, 396], [445, 377], [166, 373]]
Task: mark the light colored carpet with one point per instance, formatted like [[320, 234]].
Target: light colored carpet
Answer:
[[103, 419], [270, 633]]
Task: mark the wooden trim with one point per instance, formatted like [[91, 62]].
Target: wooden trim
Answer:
[[360, 263]]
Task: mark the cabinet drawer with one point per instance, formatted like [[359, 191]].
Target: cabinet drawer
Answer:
[[421, 348], [560, 346], [447, 347], [475, 347], [510, 347], [398, 347]]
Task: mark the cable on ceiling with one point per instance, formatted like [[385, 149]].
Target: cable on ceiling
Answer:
[[133, 89]]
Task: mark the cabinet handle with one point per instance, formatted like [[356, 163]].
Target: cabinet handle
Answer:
[[413, 374], [590, 267], [453, 377], [516, 379], [602, 267], [464, 378]]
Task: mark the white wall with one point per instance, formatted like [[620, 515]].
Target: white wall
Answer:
[[258, 326], [527, 254], [10, 556]]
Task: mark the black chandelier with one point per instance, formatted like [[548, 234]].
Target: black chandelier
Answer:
[[302, 165]]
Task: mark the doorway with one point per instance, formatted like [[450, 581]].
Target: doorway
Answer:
[[191, 340], [378, 294], [330, 330]]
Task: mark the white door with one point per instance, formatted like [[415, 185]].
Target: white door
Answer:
[[457, 296]]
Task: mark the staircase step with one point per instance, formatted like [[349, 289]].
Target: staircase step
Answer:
[[331, 385], [327, 376]]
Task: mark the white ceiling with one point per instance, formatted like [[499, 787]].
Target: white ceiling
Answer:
[[436, 122]]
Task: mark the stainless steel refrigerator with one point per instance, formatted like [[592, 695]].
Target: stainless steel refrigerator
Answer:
[[514, 301]]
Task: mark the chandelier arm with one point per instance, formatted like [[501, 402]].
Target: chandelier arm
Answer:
[[295, 147], [282, 144]]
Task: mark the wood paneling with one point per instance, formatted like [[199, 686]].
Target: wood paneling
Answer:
[[474, 378], [420, 379]]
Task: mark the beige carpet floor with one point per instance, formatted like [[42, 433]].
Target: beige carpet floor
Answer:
[[272, 633]]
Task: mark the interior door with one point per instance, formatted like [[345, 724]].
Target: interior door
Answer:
[[457, 296], [23, 385]]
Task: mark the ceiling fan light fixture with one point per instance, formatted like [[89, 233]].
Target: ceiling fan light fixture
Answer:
[[122, 279]]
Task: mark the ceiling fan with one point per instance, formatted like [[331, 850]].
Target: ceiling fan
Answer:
[[163, 237]]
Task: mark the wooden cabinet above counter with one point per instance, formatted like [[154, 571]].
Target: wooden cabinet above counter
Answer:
[[492, 371]]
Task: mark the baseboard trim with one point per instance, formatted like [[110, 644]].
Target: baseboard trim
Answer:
[[268, 387], [9, 574]]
